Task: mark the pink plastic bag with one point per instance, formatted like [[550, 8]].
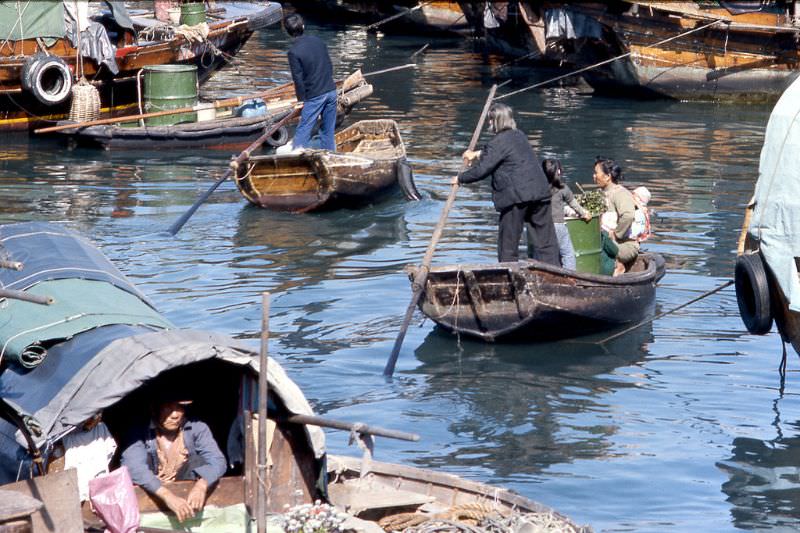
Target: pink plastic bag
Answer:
[[114, 501]]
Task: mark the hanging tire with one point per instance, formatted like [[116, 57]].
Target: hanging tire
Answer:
[[752, 293], [48, 78], [279, 138]]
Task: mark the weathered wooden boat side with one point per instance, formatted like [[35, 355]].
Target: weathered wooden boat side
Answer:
[[373, 490], [366, 164], [751, 56], [222, 132], [536, 300], [228, 32], [520, 30]]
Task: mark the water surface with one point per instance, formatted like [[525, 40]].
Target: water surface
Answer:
[[677, 426]]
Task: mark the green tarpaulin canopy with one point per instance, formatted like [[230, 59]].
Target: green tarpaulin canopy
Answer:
[[80, 305], [28, 19]]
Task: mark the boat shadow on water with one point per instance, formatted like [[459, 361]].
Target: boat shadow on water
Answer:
[[522, 394]]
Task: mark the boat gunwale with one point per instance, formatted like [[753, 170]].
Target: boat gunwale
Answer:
[[628, 278]]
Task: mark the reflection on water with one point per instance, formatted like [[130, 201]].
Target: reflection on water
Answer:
[[626, 437], [764, 478]]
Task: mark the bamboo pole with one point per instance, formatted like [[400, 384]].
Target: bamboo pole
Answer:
[[232, 167], [312, 420], [26, 297], [422, 273], [374, 27], [263, 484]]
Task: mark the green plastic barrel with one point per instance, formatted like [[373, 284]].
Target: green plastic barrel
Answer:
[[586, 241], [170, 87], [193, 13]]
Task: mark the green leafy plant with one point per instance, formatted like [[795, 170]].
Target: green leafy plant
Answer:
[[592, 201]]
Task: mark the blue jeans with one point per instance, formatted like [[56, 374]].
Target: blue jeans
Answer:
[[325, 105], [565, 248]]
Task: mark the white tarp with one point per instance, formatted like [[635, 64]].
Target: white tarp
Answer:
[[776, 215]]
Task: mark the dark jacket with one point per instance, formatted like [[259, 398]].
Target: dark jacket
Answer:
[[311, 67], [205, 458], [517, 175]]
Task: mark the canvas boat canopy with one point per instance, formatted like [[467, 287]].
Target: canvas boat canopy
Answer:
[[776, 214], [46, 19], [118, 363]]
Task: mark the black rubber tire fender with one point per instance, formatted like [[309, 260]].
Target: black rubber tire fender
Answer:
[[405, 177], [279, 138], [48, 78], [752, 293]]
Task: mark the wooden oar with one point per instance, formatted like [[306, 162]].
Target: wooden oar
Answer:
[[234, 165], [263, 483], [421, 276]]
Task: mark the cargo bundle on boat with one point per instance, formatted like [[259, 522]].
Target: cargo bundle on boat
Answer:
[[682, 50], [370, 160], [40, 64], [531, 299], [113, 353]]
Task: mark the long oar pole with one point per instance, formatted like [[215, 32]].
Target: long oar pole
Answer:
[[233, 166], [376, 25], [263, 473], [665, 313], [421, 276], [312, 420]]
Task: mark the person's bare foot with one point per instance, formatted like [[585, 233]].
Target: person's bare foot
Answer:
[[619, 268]]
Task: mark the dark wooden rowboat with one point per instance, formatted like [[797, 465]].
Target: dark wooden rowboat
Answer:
[[224, 132], [367, 162], [536, 300]]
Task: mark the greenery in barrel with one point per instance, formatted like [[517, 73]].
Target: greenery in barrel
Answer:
[[592, 201]]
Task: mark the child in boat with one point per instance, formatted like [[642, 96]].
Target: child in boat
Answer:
[[640, 229], [609, 266], [561, 196]]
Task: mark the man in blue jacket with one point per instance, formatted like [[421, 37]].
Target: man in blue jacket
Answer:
[[312, 74], [174, 448]]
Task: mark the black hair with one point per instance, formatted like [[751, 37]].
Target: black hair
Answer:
[[610, 167], [552, 169], [294, 25]]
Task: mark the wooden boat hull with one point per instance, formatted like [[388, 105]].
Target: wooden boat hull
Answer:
[[536, 300], [373, 490], [20, 110], [752, 57], [320, 179], [220, 133]]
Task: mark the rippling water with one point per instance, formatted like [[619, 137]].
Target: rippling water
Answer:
[[677, 426]]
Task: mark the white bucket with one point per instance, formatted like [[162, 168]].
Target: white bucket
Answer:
[[206, 112], [174, 15]]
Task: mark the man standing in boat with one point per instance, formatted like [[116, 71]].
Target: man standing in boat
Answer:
[[312, 74], [174, 448]]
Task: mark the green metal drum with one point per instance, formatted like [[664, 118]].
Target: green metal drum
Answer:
[[170, 87], [193, 13], [586, 241]]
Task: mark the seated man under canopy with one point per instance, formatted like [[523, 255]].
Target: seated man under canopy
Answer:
[[174, 447]]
